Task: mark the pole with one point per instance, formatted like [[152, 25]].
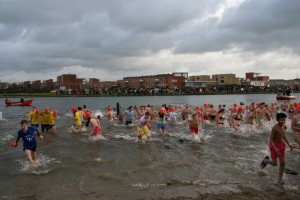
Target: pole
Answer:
[[118, 108]]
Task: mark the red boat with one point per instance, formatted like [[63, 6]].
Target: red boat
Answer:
[[284, 97], [20, 103]]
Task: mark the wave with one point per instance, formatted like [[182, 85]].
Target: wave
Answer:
[[42, 165]]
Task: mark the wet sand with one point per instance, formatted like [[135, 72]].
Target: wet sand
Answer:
[[226, 192], [249, 193]]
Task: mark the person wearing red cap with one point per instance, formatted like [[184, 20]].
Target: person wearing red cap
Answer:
[[110, 116], [232, 114], [52, 120], [77, 121], [261, 112], [194, 124], [161, 121], [45, 119], [95, 123], [34, 116], [295, 125], [237, 118]]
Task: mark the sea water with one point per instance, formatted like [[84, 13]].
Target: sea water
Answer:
[[116, 165]]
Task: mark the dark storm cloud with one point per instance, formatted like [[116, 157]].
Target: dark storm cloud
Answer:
[[255, 25], [122, 37]]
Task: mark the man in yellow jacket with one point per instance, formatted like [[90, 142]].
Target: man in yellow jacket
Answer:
[[52, 120], [76, 118], [45, 119]]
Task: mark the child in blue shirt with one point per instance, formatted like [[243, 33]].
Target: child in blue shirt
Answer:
[[29, 141]]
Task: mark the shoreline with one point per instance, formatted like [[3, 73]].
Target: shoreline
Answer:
[[180, 192], [28, 95]]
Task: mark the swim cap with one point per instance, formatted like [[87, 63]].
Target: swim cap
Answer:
[[109, 108], [198, 111], [55, 112], [47, 109], [298, 108], [74, 109], [162, 110], [88, 115], [235, 105], [37, 111]]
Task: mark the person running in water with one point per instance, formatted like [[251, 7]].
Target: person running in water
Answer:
[[77, 120], [186, 112], [52, 120], [45, 119], [142, 127], [110, 116], [194, 124], [29, 142], [277, 146], [161, 121], [220, 120], [95, 123], [260, 113], [237, 118], [129, 115], [295, 125]]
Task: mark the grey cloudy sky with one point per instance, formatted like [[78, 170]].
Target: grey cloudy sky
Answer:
[[112, 39]]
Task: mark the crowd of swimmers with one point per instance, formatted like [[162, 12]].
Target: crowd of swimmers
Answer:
[[253, 115]]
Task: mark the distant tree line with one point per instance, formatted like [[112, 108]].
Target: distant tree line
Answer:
[[142, 91]]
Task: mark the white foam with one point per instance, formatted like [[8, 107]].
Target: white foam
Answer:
[[98, 159], [196, 138], [125, 137], [96, 113], [81, 130], [7, 137], [41, 164], [69, 114], [146, 185], [96, 138], [206, 122]]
